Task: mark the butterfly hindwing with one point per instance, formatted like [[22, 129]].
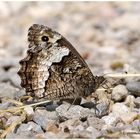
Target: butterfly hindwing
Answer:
[[53, 69]]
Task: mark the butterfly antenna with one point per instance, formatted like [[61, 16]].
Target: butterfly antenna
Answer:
[[103, 82], [107, 83]]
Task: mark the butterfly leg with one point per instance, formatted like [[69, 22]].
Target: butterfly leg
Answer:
[[72, 103]]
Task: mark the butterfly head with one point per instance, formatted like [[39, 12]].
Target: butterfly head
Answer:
[[42, 36]]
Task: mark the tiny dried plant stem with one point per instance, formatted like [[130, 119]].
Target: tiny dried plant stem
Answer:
[[14, 101], [102, 89], [119, 75], [22, 107], [13, 125], [24, 98]]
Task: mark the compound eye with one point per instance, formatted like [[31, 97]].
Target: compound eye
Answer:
[[45, 38]]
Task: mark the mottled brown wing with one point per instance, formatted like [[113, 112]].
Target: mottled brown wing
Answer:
[[70, 78], [57, 71]]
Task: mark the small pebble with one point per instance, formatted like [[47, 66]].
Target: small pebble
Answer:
[[25, 131], [129, 101], [134, 88], [95, 133], [136, 124], [122, 111], [119, 109], [51, 127], [95, 122], [7, 90], [117, 64], [75, 111], [127, 118], [9, 62], [111, 119], [119, 92], [82, 134], [29, 112], [137, 102], [11, 120], [22, 135], [47, 135], [5, 105], [43, 118], [69, 124], [30, 126], [102, 108]]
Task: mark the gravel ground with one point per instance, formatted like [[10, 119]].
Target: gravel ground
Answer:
[[106, 34]]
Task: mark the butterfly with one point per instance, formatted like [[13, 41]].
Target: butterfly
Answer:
[[53, 69]]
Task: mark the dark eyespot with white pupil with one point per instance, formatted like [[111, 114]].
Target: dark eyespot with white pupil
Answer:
[[45, 38]]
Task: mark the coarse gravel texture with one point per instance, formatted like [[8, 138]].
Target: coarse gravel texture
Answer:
[[107, 36]]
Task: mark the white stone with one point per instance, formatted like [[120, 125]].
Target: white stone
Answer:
[[111, 119], [119, 108], [119, 92], [29, 112]]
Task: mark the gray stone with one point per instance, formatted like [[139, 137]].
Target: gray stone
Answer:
[[119, 108], [124, 113], [95, 122], [136, 124], [11, 120], [111, 119], [9, 62], [14, 78], [75, 111], [81, 134], [4, 76], [134, 88], [30, 126], [43, 118], [137, 101], [129, 101], [102, 108], [25, 135], [5, 105], [25, 131], [6, 90], [119, 92], [95, 133], [47, 135], [20, 93], [11, 76], [69, 125], [79, 127], [50, 135]]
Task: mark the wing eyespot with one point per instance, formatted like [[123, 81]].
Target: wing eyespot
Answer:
[[45, 38]]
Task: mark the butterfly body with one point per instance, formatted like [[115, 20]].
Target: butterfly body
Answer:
[[53, 69]]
